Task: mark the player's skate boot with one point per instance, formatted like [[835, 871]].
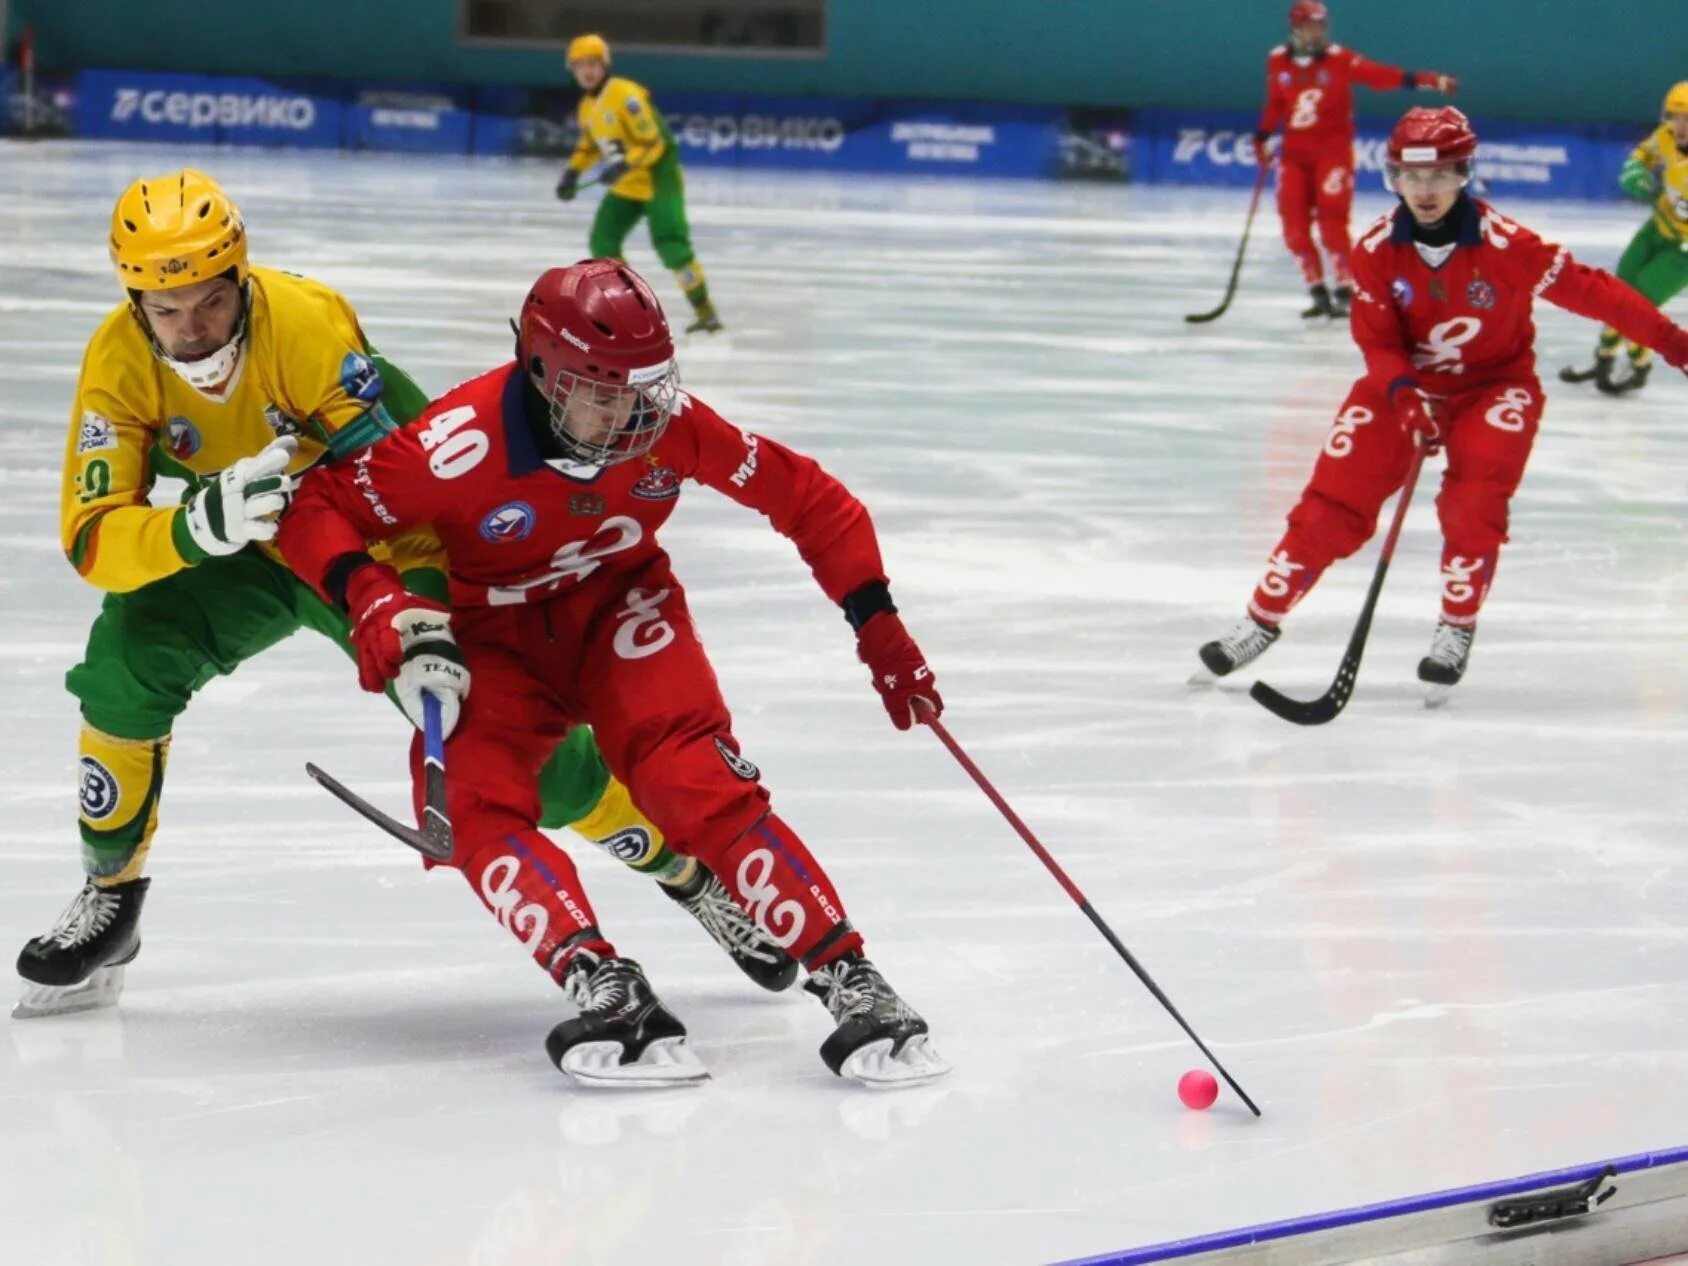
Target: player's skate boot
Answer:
[[623, 1036], [1597, 373], [1321, 302], [1635, 382], [705, 321], [79, 964], [709, 902], [879, 1041], [1244, 644], [1341, 300], [1441, 669]]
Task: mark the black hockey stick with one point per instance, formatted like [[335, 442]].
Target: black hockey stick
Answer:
[[433, 840], [927, 717], [1198, 318], [1328, 705]]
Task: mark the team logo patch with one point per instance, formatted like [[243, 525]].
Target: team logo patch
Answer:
[[1284, 77], [1480, 294], [743, 768], [182, 438], [633, 107], [588, 505], [97, 433], [280, 422], [659, 484], [1402, 289], [512, 521], [359, 378], [99, 793], [1438, 292], [630, 844]]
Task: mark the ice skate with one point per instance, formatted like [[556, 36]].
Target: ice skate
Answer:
[[1441, 669], [1341, 301], [623, 1037], [79, 964], [705, 321], [1244, 644], [1321, 303], [1599, 372], [709, 902], [1636, 380], [879, 1042]]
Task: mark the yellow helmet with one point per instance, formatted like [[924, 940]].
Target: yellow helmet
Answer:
[[176, 230], [584, 46], [1676, 100]]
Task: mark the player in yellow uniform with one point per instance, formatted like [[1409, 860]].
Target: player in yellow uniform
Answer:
[[234, 378], [626, 144], [1656, 259]]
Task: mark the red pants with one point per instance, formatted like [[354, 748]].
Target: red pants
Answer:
[[1487, 433], [1322, 184], [622, 656]]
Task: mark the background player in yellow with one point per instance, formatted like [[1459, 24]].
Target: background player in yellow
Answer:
[[1656, 260], [234, 378], [626, 135]]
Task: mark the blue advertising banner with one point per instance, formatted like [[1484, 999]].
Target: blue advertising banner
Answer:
[[803, 132], [416, 120], [1513, 159], [140, 105]]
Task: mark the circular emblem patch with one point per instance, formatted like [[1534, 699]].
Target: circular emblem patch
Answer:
[[99, 793], [512, 521]]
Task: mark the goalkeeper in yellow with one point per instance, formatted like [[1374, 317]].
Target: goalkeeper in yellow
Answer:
[[626, 146], [235, 378], [1656, 259]]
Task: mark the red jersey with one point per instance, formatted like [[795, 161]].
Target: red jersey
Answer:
[[519, 528], [1467, 321], [1312, 98]]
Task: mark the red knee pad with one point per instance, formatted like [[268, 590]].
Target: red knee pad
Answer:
[[696, 786], [1474, 517], [533, 890], [1323, 530]]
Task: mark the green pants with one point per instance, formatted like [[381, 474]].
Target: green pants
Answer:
[[1657, 266], [670, 234]]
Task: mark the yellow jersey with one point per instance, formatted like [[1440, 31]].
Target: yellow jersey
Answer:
[[1660, 154], [304, 370], [620, 119]]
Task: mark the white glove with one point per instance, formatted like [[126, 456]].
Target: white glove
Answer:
[[242, 503], [406, 640]]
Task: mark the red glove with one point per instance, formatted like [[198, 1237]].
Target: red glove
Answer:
[[1416, 412], [1436, 81], [407, 640], [899, 669], [1263, 148]]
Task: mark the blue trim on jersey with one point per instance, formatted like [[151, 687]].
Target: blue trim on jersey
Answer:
[[519, 447]]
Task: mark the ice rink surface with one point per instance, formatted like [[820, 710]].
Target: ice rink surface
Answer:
[[1437, 947]]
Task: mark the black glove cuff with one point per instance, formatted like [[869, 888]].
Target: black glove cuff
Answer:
[[339, 575], [861, 605]]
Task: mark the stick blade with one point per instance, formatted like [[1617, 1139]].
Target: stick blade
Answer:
[[1201, 318], [1318, 711], [433, 842]]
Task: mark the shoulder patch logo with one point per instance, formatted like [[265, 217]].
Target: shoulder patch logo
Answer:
[[633, 106], [181, 438], [99, 791], [359, 378], [513, 521], [97, 434]]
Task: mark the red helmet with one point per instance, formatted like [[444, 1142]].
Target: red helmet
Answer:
[[1432, 137], [592, 339], [1304, 11]]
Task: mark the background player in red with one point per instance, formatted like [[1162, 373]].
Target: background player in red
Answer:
[[1310, 94], [1443, 315], [547, 480]]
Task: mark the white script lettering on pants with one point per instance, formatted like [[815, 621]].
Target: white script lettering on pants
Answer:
[[1457, 574], [1340, 441], [498, 889], [1507, 413], [643, 631], [761, 898], [1279, 572]]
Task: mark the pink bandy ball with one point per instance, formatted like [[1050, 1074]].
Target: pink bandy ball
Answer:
[[1198, 1089]]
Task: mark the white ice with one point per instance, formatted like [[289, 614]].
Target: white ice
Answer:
[[1438, 948]]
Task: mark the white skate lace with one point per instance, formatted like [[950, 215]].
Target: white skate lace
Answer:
[[857, 989], [85, 918], [1450, 645], [1245, 642], [599, 986], [730, 927]]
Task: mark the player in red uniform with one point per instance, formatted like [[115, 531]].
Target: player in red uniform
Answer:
[[1443, 316], [547, 480], [1310, 94]]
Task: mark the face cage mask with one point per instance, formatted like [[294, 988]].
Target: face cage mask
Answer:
[[1452, 176], [649, 400], [208, 373], [1309, 45]]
